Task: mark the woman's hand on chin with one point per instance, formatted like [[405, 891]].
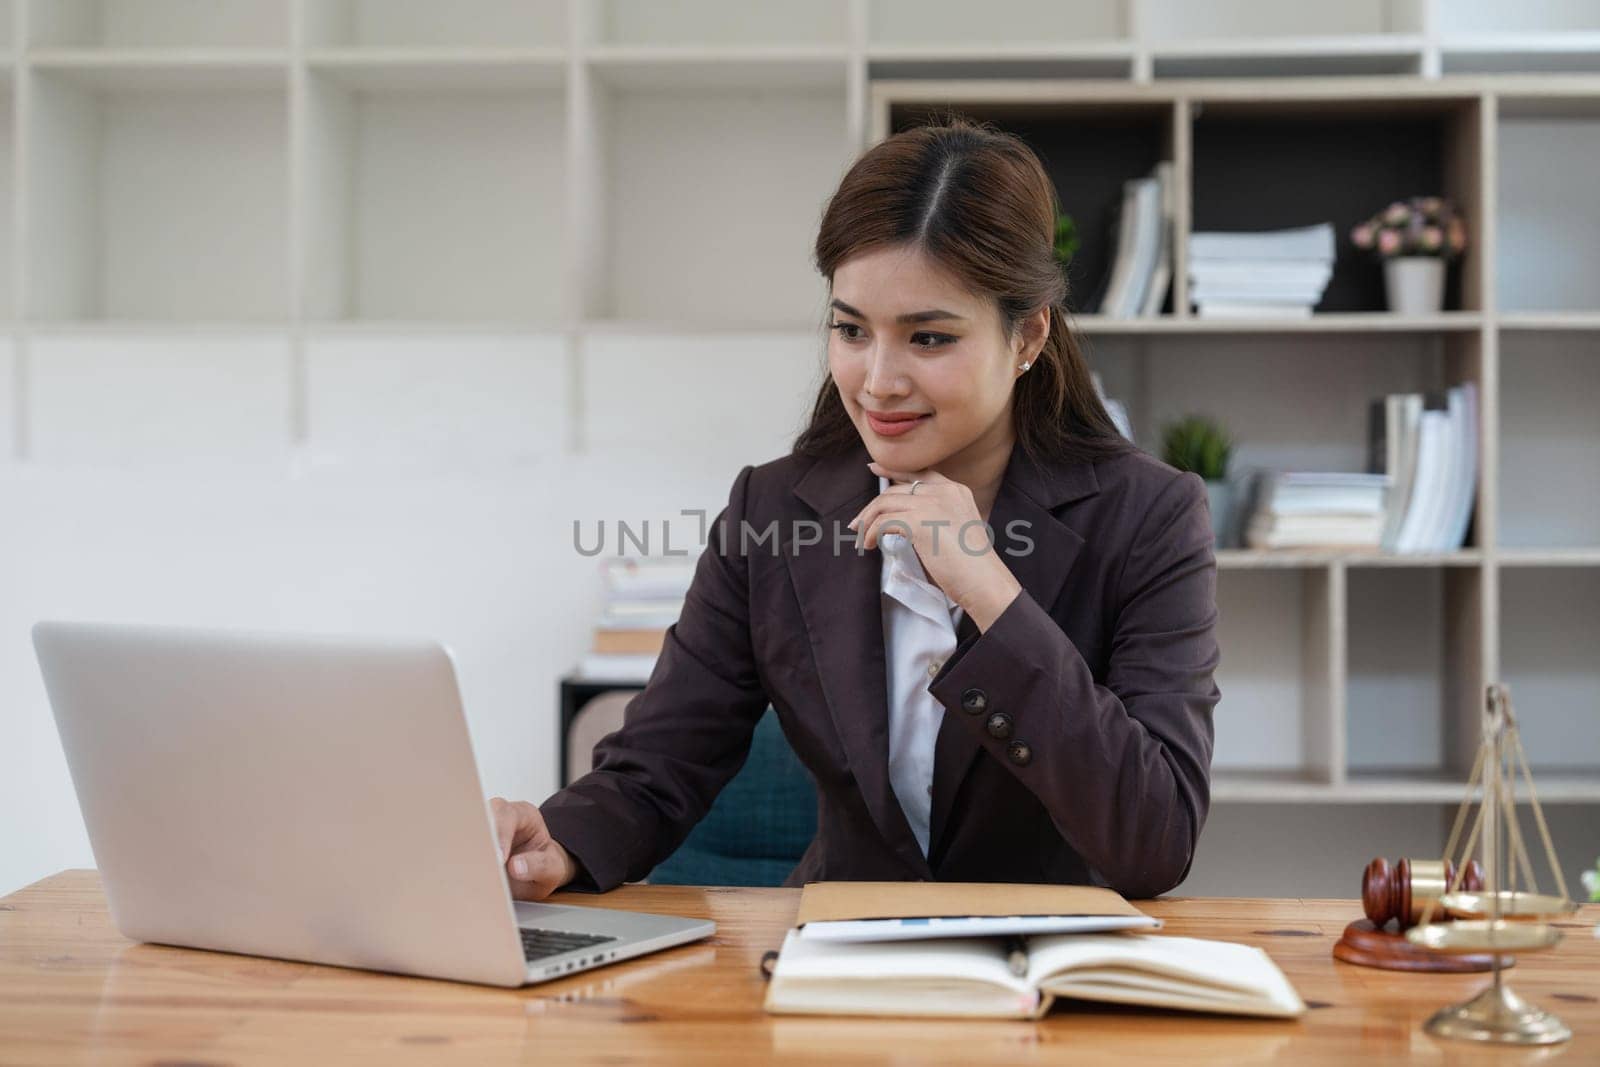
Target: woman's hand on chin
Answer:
[[942, 520]]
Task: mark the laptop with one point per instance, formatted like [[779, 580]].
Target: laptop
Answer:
[[307, 798]]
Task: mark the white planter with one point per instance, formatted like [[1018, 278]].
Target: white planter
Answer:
[[1219, 497], [1415, 284]]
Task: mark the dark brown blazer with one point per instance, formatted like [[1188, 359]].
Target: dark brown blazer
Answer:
[[1076, 741]]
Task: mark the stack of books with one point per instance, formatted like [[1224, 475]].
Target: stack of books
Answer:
[[644, 596], [1141, 268], [1417, 495], [1271, 274], [1427, 445], [1305, 509], [1114, 407]]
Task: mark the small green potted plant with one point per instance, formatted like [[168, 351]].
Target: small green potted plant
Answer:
[[1199, 443], [1415, 239], [1066, 242]]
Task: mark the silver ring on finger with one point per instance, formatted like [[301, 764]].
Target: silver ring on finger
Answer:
[[914, 487]]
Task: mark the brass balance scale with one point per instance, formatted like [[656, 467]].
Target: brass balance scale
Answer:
[[1495, 920]]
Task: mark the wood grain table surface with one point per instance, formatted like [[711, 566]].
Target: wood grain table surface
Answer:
[[72, 990]]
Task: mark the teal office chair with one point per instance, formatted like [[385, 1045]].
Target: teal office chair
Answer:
[[758, 827]]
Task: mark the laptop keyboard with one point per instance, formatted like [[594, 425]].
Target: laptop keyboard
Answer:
[[538, 944]]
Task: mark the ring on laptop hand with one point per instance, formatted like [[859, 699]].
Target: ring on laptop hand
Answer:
[[914, 487]]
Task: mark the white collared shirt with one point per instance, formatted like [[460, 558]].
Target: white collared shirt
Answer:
[[919, 634]]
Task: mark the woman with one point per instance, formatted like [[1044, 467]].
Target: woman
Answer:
[[1031, 706]]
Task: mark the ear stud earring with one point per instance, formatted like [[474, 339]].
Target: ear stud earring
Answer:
[[1024, 366]]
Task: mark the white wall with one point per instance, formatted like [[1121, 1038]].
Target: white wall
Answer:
[[433, 497]]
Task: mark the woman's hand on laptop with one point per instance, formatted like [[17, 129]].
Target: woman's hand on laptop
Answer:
[[536, 864]]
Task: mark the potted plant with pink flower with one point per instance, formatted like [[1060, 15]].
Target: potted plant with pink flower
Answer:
[[1415, 239]]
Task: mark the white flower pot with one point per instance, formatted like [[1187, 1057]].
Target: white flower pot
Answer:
[[1415, 284], [1219, 498]]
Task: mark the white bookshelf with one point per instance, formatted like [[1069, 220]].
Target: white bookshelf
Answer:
[[1354, 678], [386, 239], [698, 24], [1013, 24], [155, 193], [154, 25], [350, 204], [1549, 486], [468, 25]]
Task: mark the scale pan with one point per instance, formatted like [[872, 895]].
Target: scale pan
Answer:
[[1482, 935], [1517, 905]]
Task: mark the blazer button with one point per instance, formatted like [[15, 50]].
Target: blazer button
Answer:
[[999, 726], [1020, 753], [974, 702]]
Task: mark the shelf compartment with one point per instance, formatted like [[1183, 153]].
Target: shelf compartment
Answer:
[[1089, 149], [1234, 786], [157, 204], [1300, 57], [11, 443], [1415, 639], [1339, 161], [1549, 632], [1301, 409], [1549, 485], [439, 69], [135, 71], [428, 23], [1034, 22], [1414, 786], [698, 170], [473, 234], [1265, 559], [158, 24], [1342, 322], [1548, 222], [1550, 321], [1110, 59], [720, 22], [636, 387], [1261, 38], [1549, 557], [442, 400], [1280, 675], [183, 399], [754, 68], [1518, 53], [1179, 20], [8, 222], [1318, 845], [1312, 846], [1527, 16]]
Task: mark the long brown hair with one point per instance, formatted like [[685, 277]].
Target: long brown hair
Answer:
[[977, 201]]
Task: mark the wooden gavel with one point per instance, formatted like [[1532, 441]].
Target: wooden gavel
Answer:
[[1402, 891]]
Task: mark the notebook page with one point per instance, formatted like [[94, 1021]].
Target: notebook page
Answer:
[[963, 958], [1214, 971]]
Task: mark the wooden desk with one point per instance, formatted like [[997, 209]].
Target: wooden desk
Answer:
[[71, 989]]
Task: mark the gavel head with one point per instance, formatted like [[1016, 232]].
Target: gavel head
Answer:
[[1402, 891]]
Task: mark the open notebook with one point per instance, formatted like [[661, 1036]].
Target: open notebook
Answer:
[[977, 975], [971, 976]]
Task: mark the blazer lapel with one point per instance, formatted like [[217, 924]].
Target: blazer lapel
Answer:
[[839, 594], [840, 600], [1027, 495]]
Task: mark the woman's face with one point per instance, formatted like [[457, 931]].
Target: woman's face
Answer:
[[922, 365]]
